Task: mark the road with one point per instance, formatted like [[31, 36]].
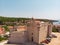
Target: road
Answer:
[[55, 41]]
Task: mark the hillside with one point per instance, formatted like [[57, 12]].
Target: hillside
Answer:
[[11, 19]]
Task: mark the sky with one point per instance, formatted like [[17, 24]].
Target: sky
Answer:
[[47, 9]]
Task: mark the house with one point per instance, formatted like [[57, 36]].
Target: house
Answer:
[[21, 28], [2, 30], [11, 28], [35, 30]]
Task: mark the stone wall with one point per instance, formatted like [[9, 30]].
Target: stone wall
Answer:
[[43, 32], [18, 37]]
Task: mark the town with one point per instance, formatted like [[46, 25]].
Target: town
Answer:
[[32, 31], [29, 22]]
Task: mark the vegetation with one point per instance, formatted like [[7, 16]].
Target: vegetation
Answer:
[[54, 29], [3, 38], [6, 28], [15, 19], [11, 19]]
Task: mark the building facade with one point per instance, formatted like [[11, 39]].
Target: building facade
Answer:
[[38, 30], [34, 31]]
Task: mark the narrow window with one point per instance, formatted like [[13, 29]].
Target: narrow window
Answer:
[[32, 33], [32, 39], [38, 28]]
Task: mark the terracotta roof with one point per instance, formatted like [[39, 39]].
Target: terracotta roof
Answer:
[[10, 27], [1, 30]]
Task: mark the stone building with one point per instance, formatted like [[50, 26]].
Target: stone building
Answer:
[[22, 28], [35, 30], [18, 36], [38, 30]]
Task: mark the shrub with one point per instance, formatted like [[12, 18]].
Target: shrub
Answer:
[[1, 38], [54, 29]]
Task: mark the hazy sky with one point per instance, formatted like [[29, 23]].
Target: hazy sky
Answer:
[[49, 9]]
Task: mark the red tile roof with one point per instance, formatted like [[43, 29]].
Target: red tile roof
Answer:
[[2, 30]]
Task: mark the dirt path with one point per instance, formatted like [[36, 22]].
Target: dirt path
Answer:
[[2, 43], [55, 41]]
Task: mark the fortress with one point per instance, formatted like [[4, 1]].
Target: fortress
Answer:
[[35, 31]]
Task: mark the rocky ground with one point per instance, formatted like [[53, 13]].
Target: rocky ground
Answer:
[[55, 41], [3, 42]]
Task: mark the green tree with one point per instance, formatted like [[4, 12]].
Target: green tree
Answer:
[[6, 28], [54, 29]]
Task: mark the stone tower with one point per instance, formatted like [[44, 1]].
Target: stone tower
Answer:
[[37, 30]]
